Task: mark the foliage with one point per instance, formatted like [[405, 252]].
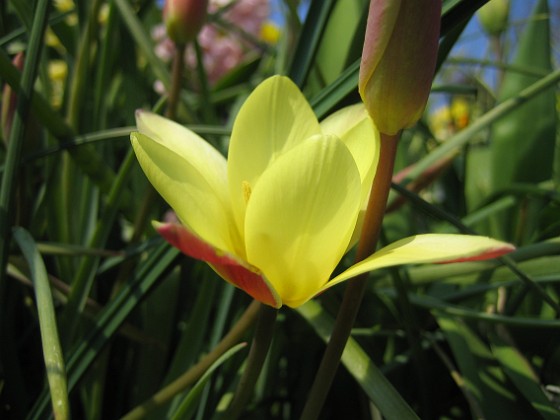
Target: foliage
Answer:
[[139, 323]]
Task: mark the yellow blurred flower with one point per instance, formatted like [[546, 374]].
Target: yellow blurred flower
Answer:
[[58, 71], [270, 33]]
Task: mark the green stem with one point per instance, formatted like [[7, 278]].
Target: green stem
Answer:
[[176, 78], [79, 81], [255, 361], [194, 373], [356, 288]]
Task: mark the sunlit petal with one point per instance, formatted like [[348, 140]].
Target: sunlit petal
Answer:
[[191, 176], [301, 215], [429, 248], [229, 267], [356, 129], [273, 119]]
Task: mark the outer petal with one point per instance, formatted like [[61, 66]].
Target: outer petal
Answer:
[[356, 129], [301, 215], [430, 248], [190, 175], [234, 270], [273, 119], [382, 18]]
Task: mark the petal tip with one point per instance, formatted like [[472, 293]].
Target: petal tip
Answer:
[[488, 254]]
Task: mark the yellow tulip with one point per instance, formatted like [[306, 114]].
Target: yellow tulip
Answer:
[[276, 217]]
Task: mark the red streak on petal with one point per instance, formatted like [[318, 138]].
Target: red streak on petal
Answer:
[[491, 253], [229, 267]]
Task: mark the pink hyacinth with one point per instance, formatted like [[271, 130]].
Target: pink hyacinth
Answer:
[[222, 50]]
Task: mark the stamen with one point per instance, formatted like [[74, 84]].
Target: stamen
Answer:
[[246, 187]]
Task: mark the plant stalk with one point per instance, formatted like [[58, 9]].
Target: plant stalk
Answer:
[[257, 355]]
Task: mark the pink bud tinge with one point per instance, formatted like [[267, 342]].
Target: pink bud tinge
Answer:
[[398, 61], [184, 19]]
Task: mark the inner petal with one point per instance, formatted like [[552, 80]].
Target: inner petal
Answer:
[[274, 118], [301, 216]]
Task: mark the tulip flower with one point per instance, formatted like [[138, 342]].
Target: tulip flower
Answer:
[[184, 19], [276, 217], [398, 61]]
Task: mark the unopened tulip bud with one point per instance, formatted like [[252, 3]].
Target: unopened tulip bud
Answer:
[[398, 61], [184, 19], [493, 17]]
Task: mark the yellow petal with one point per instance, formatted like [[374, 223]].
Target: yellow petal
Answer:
[[429, 248], [190, 175], [300, 217], [273, 119], [355, 128]]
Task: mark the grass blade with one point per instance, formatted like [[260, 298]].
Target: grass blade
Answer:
[[52, 351]]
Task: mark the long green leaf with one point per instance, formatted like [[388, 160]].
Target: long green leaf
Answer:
[[188, 405], [522, 145], [484, 380], [520, 372], [52, 351], [110, 320], [369, 377], [309, 40]]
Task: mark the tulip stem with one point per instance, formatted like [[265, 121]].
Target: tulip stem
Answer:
[[176, 78], [257, 355], [355, 289]]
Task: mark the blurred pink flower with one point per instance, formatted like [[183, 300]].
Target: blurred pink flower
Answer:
[[222, 49]]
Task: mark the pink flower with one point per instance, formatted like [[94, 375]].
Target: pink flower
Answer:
[[223, 50]]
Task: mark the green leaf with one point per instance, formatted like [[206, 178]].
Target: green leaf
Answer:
[[483, 377], [188, 405], [522, 144], [52, 351], [367, 375], [520, 372], [111, 319]]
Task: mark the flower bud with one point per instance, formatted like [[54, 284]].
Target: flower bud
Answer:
[[398, 61], [493, 16], [184, 19]]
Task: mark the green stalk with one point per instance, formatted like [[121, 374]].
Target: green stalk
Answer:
[[195, 372], [257, 355], [355, 290], [176, 78], [79, 80]]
